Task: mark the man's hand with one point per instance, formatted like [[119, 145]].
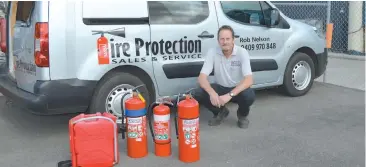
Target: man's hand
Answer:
[[244, 84], [215, 100], [224, 99]]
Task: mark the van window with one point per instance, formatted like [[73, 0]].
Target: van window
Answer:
[[24, 10], [266, 10], [247, 12], [178, 12], [114, 10]]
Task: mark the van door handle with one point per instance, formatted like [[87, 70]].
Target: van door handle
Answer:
[[205, 34], [236, 36]]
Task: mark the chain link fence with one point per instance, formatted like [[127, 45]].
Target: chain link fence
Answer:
[[347, 17], [3, 7]]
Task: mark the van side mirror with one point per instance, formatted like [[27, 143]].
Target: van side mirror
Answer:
[[274, 18]]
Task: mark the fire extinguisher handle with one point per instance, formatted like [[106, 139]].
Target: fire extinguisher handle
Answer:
[[137, 87], [170, 104], [189, 91], [175, 99]]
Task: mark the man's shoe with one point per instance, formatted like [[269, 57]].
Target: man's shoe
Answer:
[[217, 119], [243, 123]]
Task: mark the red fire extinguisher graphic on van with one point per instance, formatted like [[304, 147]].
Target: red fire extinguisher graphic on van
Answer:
[[103, 45], [103, 51]]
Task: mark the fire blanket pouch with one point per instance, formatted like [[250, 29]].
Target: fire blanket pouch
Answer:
[[93, 140]]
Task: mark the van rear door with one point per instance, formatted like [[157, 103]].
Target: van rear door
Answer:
[[9, 47], [29, 34]]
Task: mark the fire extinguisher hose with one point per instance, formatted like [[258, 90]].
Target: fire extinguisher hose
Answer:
[[123, 125], [150, 114]]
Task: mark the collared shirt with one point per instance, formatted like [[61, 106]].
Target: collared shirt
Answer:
[[228, 72]]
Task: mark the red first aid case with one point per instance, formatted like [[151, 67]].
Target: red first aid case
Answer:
[[93, 140]]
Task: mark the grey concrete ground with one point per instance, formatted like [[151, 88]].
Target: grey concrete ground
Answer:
[[345, 72], [323, 128]]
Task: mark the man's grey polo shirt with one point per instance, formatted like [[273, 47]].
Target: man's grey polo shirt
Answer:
[[228, 72]]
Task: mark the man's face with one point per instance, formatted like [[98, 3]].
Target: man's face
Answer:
[[226, 40]]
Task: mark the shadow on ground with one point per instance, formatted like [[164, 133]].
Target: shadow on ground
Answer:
[[323, 128], [26, 123]]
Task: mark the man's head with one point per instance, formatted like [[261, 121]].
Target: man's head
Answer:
[[226, 38]]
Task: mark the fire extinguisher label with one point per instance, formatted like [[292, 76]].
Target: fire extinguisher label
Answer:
[[161, 130], [191, 129], [136, 127], [103, 51]]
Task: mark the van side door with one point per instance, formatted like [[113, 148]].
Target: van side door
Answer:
[[264, 44], [181, 34]]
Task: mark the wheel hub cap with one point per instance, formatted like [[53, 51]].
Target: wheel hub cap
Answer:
[[113, 101], [301, 75]]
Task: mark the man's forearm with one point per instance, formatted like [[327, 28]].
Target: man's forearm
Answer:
[[205, 85], [244, 84]]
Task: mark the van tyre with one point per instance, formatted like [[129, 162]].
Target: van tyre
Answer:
[[107, 97], [299, 75]]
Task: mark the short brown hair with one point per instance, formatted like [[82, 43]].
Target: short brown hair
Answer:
[[226, 27]]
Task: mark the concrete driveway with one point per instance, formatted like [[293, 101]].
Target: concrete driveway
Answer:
[[324, 128]]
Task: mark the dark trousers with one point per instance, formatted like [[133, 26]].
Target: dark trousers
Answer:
[[244, 99]]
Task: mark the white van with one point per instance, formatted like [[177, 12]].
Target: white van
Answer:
[[54, 65]]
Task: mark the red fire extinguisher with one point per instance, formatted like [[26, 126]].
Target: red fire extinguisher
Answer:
[[188, 129], [135, 127], [161, 129], [103, 49]]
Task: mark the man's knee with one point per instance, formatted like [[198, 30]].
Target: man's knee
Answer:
[[199, 94], [247, 96], [200, 91]]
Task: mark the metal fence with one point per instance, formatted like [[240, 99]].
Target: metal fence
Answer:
[[3, 6], [347, 17]]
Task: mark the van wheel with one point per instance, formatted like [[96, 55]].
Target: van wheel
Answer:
[[108, 96], [299, 75]]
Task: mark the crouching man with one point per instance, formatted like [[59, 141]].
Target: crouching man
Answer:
[[233, 79]]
